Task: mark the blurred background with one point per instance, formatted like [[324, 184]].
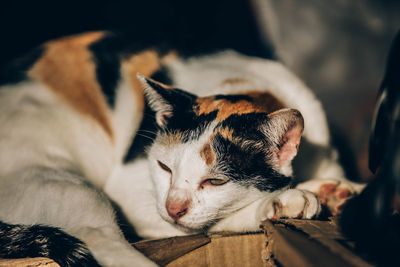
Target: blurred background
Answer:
[[337, 47]]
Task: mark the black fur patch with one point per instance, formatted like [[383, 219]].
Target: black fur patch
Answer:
[[247, 166], [189, 124], [19, 241], [183, 119], [107, 68], [234, 98], [144, 136], [246, 125], [162, 76], [15, 71]]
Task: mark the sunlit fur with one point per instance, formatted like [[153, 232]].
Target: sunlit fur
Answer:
[[62, 162]]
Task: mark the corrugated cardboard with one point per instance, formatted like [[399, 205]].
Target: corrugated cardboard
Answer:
[[226, 250]]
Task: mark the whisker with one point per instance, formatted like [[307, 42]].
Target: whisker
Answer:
[[142, 135], [146, 131]]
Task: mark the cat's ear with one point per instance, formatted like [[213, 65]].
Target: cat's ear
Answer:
[[164, 100], [283, 129]]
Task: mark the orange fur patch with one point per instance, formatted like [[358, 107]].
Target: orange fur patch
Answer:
[[145, 63], [226, 133], [207, 154], [262, 102], [265, 101], [67, 68]]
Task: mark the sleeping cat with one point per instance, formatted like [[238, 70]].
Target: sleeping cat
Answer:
[[83, 124]]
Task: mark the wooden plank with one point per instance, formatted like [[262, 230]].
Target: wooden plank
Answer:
[[327, 233], [31, 262], [316, 229], [293, 248], [163, 251]]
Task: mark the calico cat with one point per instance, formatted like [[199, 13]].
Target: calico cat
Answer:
[[84, 125]]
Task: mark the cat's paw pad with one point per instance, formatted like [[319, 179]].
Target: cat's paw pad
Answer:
[[292, 203], [333, 194]]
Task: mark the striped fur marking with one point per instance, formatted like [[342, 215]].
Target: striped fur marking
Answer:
[[67, 69], [227, 105]]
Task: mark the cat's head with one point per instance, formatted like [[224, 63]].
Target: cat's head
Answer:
[[214, 155]]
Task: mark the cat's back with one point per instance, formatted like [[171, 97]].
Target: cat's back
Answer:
[[73, 103], [76, 103]]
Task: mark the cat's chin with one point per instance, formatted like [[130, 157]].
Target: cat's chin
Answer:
[[188, 229]]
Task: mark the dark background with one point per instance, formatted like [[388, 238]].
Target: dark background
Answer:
[[198, 25], [337, 47]]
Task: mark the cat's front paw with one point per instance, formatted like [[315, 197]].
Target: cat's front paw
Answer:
[[333, 194], [292, 203]]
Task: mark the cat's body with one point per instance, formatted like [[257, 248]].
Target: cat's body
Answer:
[[218, 163]]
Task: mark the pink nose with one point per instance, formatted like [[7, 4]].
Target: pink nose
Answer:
[[177, 208]]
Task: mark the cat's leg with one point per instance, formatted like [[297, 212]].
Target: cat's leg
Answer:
[[132, 189], [319, 168], [64, 200], [332, 193], [319, 165], [292, 203]]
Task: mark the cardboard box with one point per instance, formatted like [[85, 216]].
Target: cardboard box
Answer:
[[220, 249]]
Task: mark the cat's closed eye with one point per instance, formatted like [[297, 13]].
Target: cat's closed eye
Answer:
[[164, 167]]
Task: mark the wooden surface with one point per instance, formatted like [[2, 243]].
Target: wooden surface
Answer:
[[31, 262], [308, 243]]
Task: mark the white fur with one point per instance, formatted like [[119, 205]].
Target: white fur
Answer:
[[131, 188], [48, 153], [39, 129], [126, 118], [188, 170]]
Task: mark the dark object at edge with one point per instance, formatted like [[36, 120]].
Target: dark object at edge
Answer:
[[372, 218]]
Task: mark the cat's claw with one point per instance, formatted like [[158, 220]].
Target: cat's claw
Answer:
[[292, 203], [333, 194]]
